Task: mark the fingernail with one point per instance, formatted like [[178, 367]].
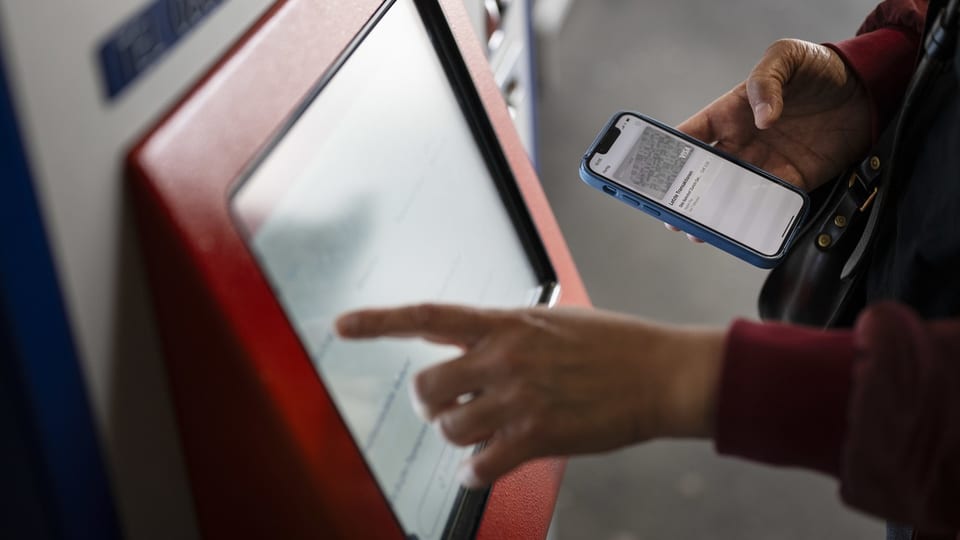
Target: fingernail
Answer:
[[418, 408], [467, 477], [761, 113], [415, 402], [347, 324]]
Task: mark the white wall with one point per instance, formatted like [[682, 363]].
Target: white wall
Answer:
[[76, 140]]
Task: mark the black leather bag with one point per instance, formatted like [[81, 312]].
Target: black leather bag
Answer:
[[818, 283]]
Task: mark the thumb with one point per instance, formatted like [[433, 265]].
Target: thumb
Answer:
[[765, 83]]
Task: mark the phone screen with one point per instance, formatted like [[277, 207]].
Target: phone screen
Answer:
[[695, 183]]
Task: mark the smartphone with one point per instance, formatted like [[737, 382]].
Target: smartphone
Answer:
[[686, 183]]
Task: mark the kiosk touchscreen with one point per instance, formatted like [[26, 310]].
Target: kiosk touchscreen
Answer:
[[383, 191], [340, 155]]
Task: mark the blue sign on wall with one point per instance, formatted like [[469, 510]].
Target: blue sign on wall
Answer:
[[146, 37]]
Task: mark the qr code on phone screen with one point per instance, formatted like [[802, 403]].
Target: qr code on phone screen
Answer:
[[654, 162]]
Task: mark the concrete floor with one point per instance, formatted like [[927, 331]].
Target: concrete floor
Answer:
[[667, 59]]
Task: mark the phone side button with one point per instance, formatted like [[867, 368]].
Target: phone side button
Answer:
[[651, 211], [631, 200]]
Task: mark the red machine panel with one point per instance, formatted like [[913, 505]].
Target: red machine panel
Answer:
[[268, 453]]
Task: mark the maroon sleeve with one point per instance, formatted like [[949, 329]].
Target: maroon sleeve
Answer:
[[878, 407], [902, 455], [783, 393], [907, 14], [884, 54]]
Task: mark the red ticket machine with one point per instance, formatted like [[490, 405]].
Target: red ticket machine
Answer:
[[342, 154]]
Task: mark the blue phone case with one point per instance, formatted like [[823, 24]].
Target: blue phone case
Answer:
[[659, 211]]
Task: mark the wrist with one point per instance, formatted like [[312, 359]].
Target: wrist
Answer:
[[692, 395], [883, 61]]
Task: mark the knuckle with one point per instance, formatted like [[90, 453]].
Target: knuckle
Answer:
[[424, 314], [452, 430], [514, 321], [784, 47], [365, 322], [524, 396], [499, 362], [531, 428], [510, 398], [780, 56], [517, 370], [506, 367], [781, 44], [519, 342]]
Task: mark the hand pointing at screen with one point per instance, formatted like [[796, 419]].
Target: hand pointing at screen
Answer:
[[540, 382], [545, 382]]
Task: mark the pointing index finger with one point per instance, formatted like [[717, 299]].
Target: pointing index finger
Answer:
[[448, 324]]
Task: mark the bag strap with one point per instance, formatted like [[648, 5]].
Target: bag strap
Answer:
[[866, 185]]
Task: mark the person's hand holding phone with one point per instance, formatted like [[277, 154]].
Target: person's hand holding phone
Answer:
[[801, 115]]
